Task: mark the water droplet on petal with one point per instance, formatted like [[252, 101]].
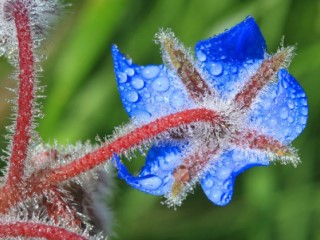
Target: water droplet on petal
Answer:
[[131, 96], [284, 113], [147, 95], [130, 71], [287, 132], [216, 69], [304, 111], [161, 84], [304, 102], [290, 104], [122, 77], [208, 183], [223, 173], [141, 114], [234, 69], [298, 129], [284, 84], [303, 120], [273, 122], [137, 83], [176, 99], [150, 72], [151, 183], [201, 56], [216, 195]]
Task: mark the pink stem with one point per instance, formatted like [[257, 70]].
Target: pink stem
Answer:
[[128, 141], [46, 178], [31, 229], [26, 93]]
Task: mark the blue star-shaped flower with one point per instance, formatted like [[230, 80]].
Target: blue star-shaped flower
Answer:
[[264, 108]]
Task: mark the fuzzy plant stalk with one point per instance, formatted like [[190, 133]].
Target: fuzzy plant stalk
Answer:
[[197, 120]]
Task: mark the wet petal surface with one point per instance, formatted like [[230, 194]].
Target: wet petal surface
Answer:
[[228, 59], [218, 182], [148, 91], [282, 109]]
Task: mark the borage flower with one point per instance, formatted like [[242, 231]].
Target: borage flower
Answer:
[[259, 108]]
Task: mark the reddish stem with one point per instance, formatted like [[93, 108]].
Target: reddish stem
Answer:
[[23, 126], [128, 141], [38, 230]]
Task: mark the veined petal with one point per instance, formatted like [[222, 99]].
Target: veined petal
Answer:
[[218, 182], [229, 58], [281, 111], [148, 91], [156, 177]]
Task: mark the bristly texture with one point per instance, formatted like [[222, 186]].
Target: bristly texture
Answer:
[[29, 207], [259, 110], [206, 121]]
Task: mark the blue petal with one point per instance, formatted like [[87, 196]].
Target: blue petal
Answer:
[[218, 181], [282, 109], [156, 177], [147, 91], [229, 58]]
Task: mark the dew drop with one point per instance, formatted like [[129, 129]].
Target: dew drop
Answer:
[[234, 69], [236, 156], [131, 96], [151, 183], [216, 69], [304, 111], [130, 72], [304, 102], [284, 113], [298, 129], [290, 119], [161, 84], [150, 72], [176, 99], [284, 84], [303, 120], [122, 77], [215, 196], [147, 95], [273, 122], [208, 183], [223, 173], [287, 132], [137, 83], [201, 56], [168, 162], [290, 104], [141, 114]]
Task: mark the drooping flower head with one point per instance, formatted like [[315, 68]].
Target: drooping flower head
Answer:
[[259, 110]]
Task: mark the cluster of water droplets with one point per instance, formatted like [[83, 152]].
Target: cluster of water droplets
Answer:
[[222, 73], [282, 108], [148, 91]]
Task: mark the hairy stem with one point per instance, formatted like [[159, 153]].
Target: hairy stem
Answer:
[[130, 140], [36, 230], [23, 127]]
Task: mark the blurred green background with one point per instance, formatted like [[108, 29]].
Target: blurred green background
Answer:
[[276, 202]]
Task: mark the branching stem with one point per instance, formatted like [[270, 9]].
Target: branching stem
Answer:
[[24, 119]]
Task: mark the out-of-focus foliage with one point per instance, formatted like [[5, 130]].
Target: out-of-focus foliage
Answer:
[[269, 203]]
